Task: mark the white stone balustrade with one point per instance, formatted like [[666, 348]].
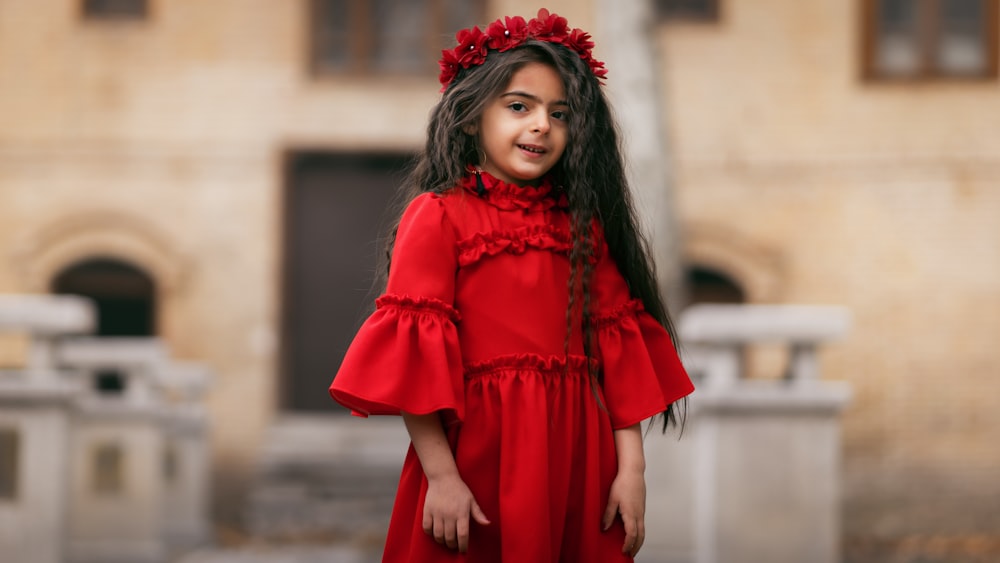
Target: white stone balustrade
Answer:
[[713, 332], [756, 477], [141, 363], [43, 318], [117, 484], [185, 504], [35, 421], [112, 474], [158, 425]]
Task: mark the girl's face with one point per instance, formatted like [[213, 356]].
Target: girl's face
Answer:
[[523, 131]]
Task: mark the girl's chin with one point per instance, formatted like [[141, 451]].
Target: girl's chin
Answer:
[[529, 177], [526, 181]]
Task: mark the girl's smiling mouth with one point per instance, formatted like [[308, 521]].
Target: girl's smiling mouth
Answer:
[[535, 149]]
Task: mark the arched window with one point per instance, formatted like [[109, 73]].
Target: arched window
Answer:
[[705, 285], [125, 295]]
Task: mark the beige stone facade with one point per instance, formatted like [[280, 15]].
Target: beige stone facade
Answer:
[[811, 185], [163, 143]]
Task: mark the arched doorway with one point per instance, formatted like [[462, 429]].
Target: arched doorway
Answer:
[[125, 296]]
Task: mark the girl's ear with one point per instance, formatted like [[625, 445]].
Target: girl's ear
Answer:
[[471, 129]]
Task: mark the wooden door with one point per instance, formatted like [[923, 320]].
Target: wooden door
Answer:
[[337, 217]]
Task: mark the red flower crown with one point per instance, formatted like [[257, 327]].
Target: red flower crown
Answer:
[[503, 35]]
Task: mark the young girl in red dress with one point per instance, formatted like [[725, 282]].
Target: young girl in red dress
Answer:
[[521, 335]]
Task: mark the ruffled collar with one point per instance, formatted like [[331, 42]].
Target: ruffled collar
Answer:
[[512, 197]]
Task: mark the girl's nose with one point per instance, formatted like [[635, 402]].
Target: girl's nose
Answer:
[[541, 124]]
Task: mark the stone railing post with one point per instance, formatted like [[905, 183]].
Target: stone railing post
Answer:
[[756, 477], [34, 427], [117, 444], [187, 459]]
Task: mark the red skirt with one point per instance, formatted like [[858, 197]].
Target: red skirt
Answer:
[[537, 451]]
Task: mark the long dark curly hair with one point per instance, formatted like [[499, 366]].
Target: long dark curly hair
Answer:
[[591, 169]]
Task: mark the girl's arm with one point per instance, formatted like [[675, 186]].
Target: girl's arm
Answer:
[[449, 502], [628, 491]]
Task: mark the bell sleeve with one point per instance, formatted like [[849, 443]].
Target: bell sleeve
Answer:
[[406, 355], [642, 373]]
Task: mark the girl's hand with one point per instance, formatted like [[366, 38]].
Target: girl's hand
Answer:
[[628, 499], [447, 507], [448, 502]]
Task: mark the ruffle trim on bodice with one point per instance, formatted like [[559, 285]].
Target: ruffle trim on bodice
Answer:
[[616, 315], [545, 365], [419, 305], [516, 241], [510, 197]]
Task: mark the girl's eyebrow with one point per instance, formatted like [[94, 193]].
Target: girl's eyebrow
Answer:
[[518, 93]]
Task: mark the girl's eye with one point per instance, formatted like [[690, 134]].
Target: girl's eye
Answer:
[[518, 106], [560, 115]]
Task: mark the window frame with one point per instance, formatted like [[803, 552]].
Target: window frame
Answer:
[[361, 62], [10, 473], [664, 15], [108, 469], [928, 29], [89, 15]]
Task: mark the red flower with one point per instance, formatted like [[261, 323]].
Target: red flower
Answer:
[[548, 27], [502, 35], [598, 68], [579, 41], [507, 34], [471, 49], [449, 66]]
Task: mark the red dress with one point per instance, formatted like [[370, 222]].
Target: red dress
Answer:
[[472, 324]]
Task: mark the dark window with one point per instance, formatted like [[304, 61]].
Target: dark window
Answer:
[[116, 9], [9, 454], [109, 469], [929, 39], [708, 286], [386, 36], [688, 10], [109, 382], [124, 295], [171, 462]]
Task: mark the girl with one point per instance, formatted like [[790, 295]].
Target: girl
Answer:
[[521, 335]]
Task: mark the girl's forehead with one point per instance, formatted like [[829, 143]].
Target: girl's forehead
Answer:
[[538, 79]]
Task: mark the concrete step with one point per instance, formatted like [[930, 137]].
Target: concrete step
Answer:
[[331, 478], [283, 554]]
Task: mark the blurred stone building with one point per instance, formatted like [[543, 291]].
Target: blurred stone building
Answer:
[[218, 173]]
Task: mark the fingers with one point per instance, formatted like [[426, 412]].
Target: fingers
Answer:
[[447, 532], [462, 532], [428, 522], [478, 514], [439, 530], [641, 538], [631, 535], [635, 535], [609, 515], [451, 533]]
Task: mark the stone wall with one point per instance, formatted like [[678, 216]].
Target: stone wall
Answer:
[[162, 143], [881, 197]]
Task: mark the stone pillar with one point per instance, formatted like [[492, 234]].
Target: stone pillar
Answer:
[[34, 428], [756, 477], [626, 42], [187, 461], [33, 432], [117, 451]]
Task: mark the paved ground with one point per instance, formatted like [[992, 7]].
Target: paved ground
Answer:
[[286, 554]]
